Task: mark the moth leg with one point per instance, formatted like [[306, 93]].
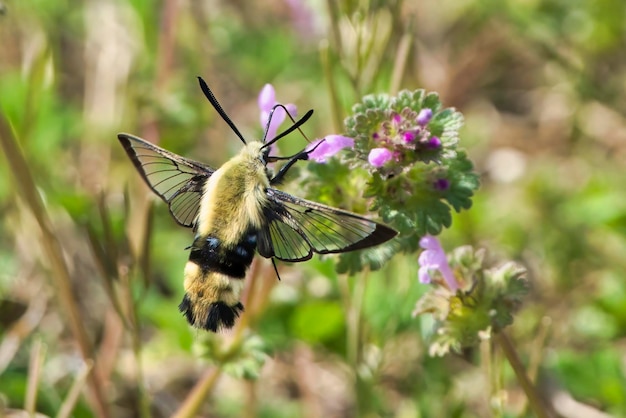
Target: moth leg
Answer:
[[303, 155]]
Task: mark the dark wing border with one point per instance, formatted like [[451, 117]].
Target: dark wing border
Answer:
[[177, 180], [313, 227]]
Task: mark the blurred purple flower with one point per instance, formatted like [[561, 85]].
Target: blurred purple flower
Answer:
[[424, 117], [303, 19], [330, 145], [434, 258], [267, 101], [379, 156], [409, 136], [433, 142], [441, 184]]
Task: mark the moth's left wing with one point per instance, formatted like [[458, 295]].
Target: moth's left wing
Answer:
[[177, 180], [297, 228]]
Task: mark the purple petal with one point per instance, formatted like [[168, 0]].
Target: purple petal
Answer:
[[329, 146], [424, 116], [292, 109], [448, 276], [433, 142], [278, 117], [267, 101], [379, 156], [428, 258], [267, 98], [434, 258], [428, 242], [303, 18], [423, 276], [409, 136], [441, 184]]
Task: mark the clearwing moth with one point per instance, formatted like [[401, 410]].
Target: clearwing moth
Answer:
[[234, 211]]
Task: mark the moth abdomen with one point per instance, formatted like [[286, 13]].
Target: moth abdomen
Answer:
[[217, 314], [222, 315], [213, 281]]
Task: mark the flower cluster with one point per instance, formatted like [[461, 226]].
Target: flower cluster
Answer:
[[394, 133], [468, 300], [403, 151], [404, 133], [408, 145]]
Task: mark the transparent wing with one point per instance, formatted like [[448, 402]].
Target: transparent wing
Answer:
[[177, 180], [296, 228]]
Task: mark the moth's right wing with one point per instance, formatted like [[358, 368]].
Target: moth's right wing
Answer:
[[177, 180], [296, 228]]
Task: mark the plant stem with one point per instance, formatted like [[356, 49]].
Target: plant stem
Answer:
[[37, 355], [336, 110], [399, 67], [135, 335], [72, 396], [60, 274], [196, 398], [536, 403]]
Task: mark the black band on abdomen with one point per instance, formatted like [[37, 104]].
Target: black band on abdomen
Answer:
[[210, 256]]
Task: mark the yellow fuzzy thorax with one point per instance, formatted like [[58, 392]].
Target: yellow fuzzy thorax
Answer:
[[234, 197]]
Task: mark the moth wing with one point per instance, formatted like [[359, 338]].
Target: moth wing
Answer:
[[177, 180], [296, 228]]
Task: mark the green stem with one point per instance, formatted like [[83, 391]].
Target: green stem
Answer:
[[335, 104], [354, 342], [37, 355], [399, 67], [536, 403], [135, 331], [198, 395]]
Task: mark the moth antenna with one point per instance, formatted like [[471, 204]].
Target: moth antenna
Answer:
[[275, 268], [296, 125], [209, 95], [309, 113]]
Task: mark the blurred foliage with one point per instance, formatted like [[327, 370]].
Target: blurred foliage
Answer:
[[541, 88]]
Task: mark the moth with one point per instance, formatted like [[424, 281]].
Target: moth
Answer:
[[235, 211]]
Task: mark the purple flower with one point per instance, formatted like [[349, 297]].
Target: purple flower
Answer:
[[409, 136], [433, 142], [303, 19], [434, 258], [329, 146], [379, 156], [424, 116], [267, 101], [441, 184]]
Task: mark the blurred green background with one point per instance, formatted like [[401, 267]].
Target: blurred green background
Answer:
[[90, 268]]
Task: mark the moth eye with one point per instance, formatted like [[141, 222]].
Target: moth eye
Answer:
[[264, 155]]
